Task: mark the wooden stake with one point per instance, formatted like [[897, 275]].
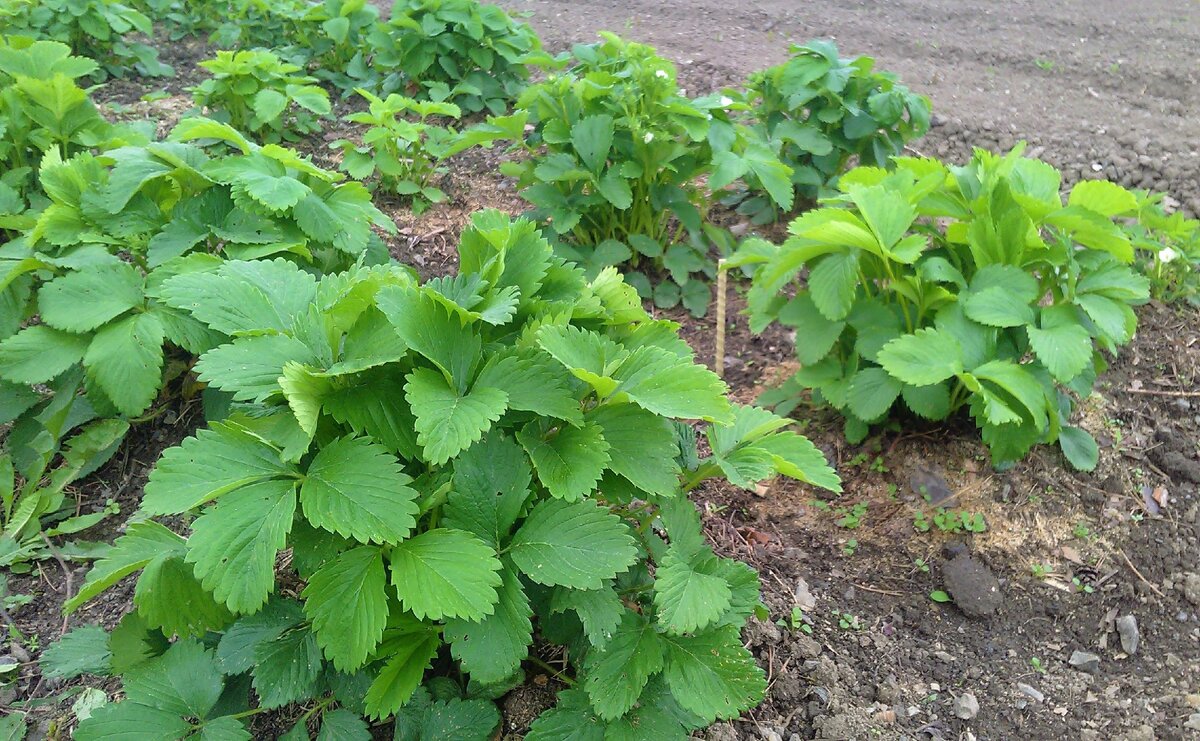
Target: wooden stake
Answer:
[[719, 360]]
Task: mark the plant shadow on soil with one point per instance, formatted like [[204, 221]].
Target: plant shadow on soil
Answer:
[[879, 659]]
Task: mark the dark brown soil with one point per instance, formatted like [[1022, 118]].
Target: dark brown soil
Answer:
[[872, 656]]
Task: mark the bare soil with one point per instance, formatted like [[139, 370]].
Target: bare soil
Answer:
[[1102, 88]]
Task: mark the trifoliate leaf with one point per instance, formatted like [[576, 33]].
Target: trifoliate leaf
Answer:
[[305, 390], [235, 652], [569, 460], [254, 296], [39, 354], [234, 543], [82, 651], [493, 649], [170, 598], [534, 383], [616, 675], [250, 367], [83, 300], [642, 446], [287, 667], [578, 545], [589, 356], [142, 543], [711, 674], [448, 422], [432, 330], [599, 610], [491, 486], [343, 725], [1065, 349], [125, 360], [572, 719], [688, 592], [346, 599], [446, 573], [213, 462], [184, 681], [925, 357], [662, 382], [407, 658], [871, 393], [356, 489], [114, 721]]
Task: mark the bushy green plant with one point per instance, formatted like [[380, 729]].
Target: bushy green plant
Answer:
[[822, 113], [332, 41], [42, 109], [258, 93], [615, 162], [404, 156], [92, 269], [938, 289], [100, 29], [246, 24], [457, 51], [467, 468], [1167, 249]]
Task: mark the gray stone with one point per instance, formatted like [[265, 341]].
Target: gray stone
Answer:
[[1127, 628], [1191, 589], [972, 585], [1193, 722], [1085, 661], [966, 706], [1030, 691]]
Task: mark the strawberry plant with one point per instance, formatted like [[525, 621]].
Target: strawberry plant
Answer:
[[100, 29], [820, 113], [457, 51], [258, 93], [614, 165], [461, 471], [405, 156], [936, 289], [248, 24], [1167, 249], [331, 40]]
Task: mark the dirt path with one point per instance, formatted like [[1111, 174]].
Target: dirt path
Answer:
[[1101, 87]]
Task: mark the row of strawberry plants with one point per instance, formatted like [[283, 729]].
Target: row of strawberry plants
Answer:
[[463, 472]]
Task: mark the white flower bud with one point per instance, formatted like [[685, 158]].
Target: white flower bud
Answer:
[[1166, 254]]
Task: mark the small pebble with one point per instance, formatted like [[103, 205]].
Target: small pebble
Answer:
[[1127, 628], [1030, 691], [966, 706], [1085, 661]]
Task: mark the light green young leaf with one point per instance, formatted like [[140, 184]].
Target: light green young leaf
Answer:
[[250, 367], [446, 573], [83, 300], [408, 657], [661, 382], [447, 422], [346, 600], [142, 543]]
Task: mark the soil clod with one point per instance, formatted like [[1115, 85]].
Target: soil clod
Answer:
[[973, 586]]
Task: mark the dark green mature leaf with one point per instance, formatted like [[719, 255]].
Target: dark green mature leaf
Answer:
[[599, 610], [592, 137], [170, 598], [491, 486], [234, 543], [446, 573], [84, 650], [250, 367], [711, 674], [112, 722], [39, 354], [569, 460], [83, 300], [572, 719], [256, 296], [578, 545], [343, 725], [642, 446], [1065, 349], [354, 488], [533, 384], [492, 649], [346, 600], [1080, 448], [816, 334], [661, 382], [616, 675], [872, 392], [833, 284], [184, 681], [287, 667], [235, 652]]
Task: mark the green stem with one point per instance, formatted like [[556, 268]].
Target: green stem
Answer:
[[437, 498], [554, 673], [708, 470]]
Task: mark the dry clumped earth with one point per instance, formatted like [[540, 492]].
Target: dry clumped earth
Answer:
[[1106, 645]]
